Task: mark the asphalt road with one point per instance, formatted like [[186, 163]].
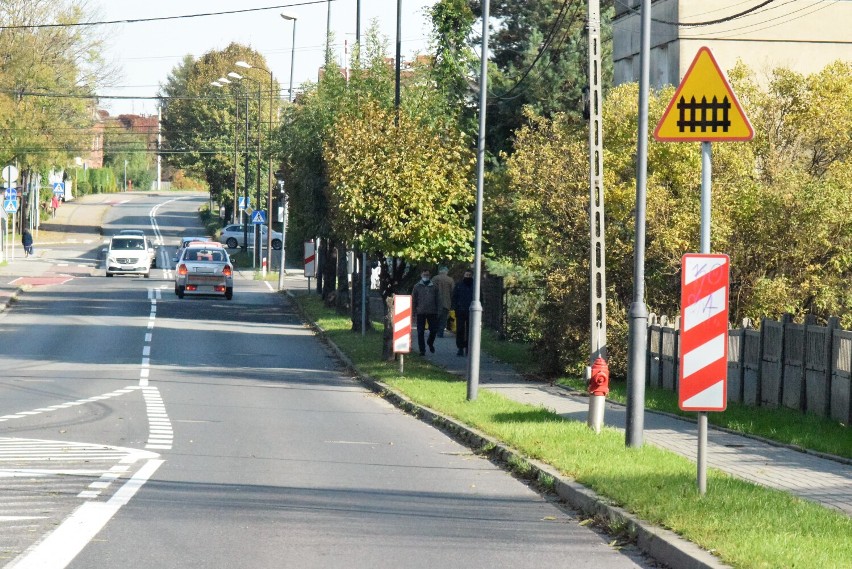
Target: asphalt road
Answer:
[[139, 430]]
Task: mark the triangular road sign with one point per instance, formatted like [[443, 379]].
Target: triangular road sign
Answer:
[[704, 108]]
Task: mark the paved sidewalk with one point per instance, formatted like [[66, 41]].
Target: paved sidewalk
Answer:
[[810, 477]]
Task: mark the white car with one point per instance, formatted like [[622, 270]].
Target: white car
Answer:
[[129, 255], [204, 268], [232, 236], [141, 233]]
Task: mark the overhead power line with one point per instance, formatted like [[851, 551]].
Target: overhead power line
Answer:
[[162, 18], [705, 22], [550, 35]]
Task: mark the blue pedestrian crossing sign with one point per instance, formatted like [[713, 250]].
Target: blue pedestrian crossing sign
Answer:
[[258, 217], [59, 188], [10, 206], [245, 203]]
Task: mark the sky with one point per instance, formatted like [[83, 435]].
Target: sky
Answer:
[[146, 52]]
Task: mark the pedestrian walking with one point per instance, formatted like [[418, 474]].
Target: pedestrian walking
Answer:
[[462, 298], [425, 303], [445, 284], [27, 242], [54, 205]]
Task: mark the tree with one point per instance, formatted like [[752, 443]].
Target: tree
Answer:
[[539, 60], [200, 123], [454, 65], [399, 187], [780, 209]]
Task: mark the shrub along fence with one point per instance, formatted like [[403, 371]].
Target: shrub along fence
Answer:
[[804, 366]]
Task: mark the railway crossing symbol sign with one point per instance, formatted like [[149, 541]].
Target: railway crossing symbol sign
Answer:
[[704, 107], [704, 333]]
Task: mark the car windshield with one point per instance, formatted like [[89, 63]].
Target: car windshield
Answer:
[[128, 244], [214, 256]]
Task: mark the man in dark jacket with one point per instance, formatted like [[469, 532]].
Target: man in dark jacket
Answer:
[[425, 303], [27, 242], [462, 299]]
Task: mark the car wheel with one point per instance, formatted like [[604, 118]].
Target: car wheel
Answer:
[[147, 275], [276, 244], [109, 274], [176, 290], [231, 243], [179, 291], [229, 293]]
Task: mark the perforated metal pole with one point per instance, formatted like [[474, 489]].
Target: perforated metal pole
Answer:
[[597, 260]]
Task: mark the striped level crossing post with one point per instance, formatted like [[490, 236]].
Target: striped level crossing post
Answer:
[[401, 327], [310, 261]]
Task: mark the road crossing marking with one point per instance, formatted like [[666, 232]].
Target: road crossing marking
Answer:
[[66, 405]]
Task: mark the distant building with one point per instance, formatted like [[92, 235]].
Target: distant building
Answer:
[[95, 157], [801, 36]]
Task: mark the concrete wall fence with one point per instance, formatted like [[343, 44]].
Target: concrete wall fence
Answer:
[[804, 366]]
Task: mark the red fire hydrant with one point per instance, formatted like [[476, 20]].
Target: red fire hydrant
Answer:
[[599, 380]]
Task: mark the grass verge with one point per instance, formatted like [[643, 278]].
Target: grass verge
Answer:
[[781, 425], [745, 524]]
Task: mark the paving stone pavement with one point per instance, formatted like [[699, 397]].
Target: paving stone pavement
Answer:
[[811, 477]]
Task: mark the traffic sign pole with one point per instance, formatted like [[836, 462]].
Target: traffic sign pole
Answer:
[[706, 172]]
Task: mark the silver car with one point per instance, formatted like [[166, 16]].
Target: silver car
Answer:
[[232, 236], [204, 268], [184, 243]]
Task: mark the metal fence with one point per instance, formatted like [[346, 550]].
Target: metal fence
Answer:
[[800, 366]]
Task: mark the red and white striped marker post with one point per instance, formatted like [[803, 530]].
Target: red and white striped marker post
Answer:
[[310, 261], [401, 327], [704, 333], [703, 384]]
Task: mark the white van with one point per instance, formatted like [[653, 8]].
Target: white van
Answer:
[[129, 255]]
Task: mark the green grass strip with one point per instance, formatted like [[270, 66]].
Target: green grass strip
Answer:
[[783, 425], [745, 524]]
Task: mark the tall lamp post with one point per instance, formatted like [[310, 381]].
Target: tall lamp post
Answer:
[[220, 83], [293, 19], [246, 65], [257, 241]]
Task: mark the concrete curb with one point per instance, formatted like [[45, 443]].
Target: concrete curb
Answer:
[[663, 545]]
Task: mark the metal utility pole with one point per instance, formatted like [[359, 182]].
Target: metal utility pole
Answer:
[[475, 322], [597, 259], [236, 161], [244, 217], [638, 324], [396, 97], [159, 146], [358, 23]]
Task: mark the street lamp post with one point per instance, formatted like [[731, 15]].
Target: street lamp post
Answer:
[[256, 256], [293, 19], [269, 180], [125, 175], [220, 83]]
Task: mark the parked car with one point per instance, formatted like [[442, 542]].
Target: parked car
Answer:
[[184, 242], [129, 255], [232, 236], [204, 268]]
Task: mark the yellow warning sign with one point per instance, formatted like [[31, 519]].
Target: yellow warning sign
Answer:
[[704, 108]]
